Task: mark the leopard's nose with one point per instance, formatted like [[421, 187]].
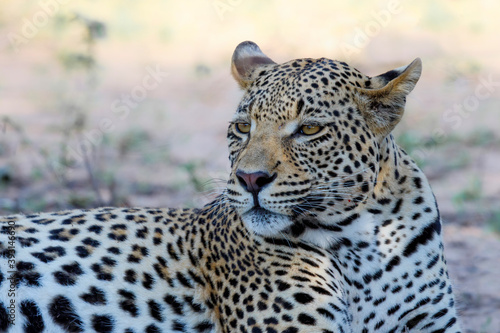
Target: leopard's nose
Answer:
[[255, 181]]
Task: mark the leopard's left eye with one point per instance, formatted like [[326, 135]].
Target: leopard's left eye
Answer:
[[243, 127], [310, 129]]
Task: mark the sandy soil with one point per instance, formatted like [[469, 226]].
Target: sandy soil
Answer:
[[473, 259]]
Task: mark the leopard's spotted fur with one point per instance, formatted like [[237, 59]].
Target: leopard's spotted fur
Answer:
[[326, 225]]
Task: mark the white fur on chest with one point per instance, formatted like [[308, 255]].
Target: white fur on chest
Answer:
[[362, 229]]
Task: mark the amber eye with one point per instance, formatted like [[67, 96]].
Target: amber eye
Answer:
[[243, 127], [309, 129]]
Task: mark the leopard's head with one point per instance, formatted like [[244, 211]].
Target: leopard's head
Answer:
[[305, 140]]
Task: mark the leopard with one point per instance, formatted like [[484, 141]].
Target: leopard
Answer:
[[325, 225]]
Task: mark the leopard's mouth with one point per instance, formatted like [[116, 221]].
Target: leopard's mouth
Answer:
[[265, 222], [259, 211]]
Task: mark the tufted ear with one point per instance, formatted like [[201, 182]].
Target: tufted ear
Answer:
[[246, 58], [383, 106]]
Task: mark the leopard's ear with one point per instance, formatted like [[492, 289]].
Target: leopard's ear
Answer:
[[383, 105], [247, 57]]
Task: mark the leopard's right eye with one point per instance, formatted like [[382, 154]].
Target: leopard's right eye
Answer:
[[243, 127], [310, 129]]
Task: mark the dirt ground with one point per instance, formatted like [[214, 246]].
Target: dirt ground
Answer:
[[472, 259], [70, 139]]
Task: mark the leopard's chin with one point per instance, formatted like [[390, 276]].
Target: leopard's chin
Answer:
[[266, 223]]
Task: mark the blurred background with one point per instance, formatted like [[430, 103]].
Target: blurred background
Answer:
[[126, 103]]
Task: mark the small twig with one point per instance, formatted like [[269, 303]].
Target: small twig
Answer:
[[90, 172], [113, 192]]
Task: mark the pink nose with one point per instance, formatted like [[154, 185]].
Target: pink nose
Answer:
[[255, 181]]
